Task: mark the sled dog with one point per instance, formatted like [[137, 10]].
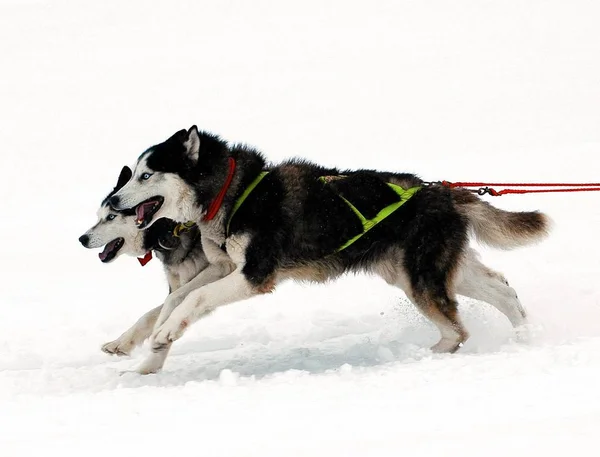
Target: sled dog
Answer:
[[262, 223], [178, 247]]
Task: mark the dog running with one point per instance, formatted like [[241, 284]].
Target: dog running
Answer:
[[176, 245], [261, 224]]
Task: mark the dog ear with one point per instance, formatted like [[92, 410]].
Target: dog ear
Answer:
[[124, 177], [192, 143]]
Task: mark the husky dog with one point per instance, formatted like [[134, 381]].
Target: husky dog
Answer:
[[262, 224], [178, 248], [115, 230]]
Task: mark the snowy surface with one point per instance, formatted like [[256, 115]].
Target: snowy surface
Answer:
[[463, 90]]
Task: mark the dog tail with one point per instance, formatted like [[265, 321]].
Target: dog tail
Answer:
[[498, 228]]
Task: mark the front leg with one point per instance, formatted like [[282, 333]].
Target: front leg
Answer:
[[210, 274], [232, 288], [255, 274], [155, 361], [135, 335], [250, 278]]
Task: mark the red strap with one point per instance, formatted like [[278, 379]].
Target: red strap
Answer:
[[144, 260], [485, 189], [481, 184], [539, 191], [213, 208]]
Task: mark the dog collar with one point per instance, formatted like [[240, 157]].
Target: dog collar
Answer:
[[144, 260], [214, 207]]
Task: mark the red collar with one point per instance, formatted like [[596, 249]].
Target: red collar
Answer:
[[215, 205], [144, 260]]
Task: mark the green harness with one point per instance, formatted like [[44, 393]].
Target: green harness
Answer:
[[368, 224], [243, 197]]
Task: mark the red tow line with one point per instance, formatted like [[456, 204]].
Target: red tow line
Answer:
[[483, 188]]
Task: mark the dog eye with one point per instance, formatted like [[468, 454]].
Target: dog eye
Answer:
[[146, 176], [110, 217]]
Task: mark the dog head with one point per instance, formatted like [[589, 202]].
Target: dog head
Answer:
[[115, 230], [173, 179]]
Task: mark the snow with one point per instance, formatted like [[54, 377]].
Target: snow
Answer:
[[450, 90]]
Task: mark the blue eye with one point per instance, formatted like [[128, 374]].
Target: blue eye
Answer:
[[110, 217], [146, 176]]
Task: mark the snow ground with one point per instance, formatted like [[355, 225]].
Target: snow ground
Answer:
[[451, 90]]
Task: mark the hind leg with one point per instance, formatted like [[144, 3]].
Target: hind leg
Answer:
[[441, 309], [431, 297], [431, 261], [427, 287], [475, 280]]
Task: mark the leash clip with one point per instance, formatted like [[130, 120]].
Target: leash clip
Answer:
[[488, 190]]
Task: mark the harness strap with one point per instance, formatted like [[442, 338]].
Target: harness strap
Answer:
[[243, 197], [183, 227], [368, 224]]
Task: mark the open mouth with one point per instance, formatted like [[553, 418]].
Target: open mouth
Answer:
[[110, 250], [146, 210]]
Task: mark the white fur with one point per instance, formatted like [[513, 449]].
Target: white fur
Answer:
[[184, 272], [476, 280], [192, 144], [200, 302], [104, 231], [210, 274], [154, 362], [179, 202], [216, 286], [134, 336]]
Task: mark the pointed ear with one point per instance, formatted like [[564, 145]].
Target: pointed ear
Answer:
[[192, 143], [124, 177]]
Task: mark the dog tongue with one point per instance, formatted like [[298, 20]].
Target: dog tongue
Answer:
[[109, 247], [140, 211]]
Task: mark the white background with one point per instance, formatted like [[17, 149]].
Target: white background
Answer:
[[462, 90]]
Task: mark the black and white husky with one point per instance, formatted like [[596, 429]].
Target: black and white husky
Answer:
[[262, 224], [177, 247]]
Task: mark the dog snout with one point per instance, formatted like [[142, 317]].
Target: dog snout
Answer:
[[84, 239]]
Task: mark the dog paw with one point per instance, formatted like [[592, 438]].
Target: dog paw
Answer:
[[446, 346], [170, 331], [525, 333], [118, 347], [145, 369], [153, 363]]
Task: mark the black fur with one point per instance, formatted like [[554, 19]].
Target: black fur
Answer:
[[124, 177], [296, 219], [171, 249], [207, 175]]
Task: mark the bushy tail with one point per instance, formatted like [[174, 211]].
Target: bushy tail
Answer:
[[498, 228]]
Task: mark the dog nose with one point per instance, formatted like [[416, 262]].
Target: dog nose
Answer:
[[84, 239], [114, 201]]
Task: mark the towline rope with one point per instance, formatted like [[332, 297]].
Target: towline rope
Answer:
[[483, 188]]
